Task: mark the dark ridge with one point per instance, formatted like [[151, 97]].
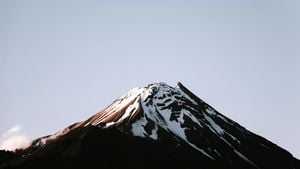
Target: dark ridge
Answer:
[[92, 147], [189, 93]]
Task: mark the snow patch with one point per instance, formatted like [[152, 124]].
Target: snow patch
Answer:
[[214, 125], [154, 134], [45, 140], [137, 127], [245, 158]]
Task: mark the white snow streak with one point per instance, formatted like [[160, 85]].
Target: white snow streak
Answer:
[[214, 125], [245, 158]]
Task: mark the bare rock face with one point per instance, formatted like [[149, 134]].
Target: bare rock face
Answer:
[[157, 126]]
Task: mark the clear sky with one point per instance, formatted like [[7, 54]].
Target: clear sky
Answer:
[[62, 61]]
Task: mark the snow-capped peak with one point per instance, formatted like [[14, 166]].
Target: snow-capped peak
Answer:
[[128, 105], [146, 110]]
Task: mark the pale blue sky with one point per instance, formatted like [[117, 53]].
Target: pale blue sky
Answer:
[[62, 61]]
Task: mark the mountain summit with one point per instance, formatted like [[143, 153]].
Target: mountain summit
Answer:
[[157, 126]]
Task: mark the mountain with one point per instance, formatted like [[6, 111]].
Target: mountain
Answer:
[[153, 127]]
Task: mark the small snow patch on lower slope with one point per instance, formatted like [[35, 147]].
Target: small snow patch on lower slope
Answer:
[[214, 125]]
